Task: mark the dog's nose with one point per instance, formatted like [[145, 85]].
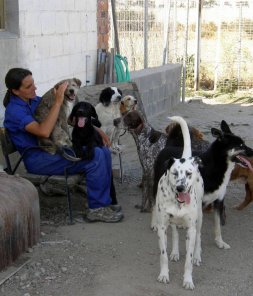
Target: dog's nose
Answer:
[[71, 91], [180, 188]]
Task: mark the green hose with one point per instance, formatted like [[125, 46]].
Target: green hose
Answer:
[[121, 68]]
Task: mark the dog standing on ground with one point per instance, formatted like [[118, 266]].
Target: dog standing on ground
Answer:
[[60, 135], [244, 174], [108, 109], [218, 162], [150, 143], [179, 202], [83, 117], [127, 104]]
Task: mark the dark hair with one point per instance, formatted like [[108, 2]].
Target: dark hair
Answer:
[[13, 80]]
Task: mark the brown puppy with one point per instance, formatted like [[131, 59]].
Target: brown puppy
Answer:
[[60, 135], [244, 175]]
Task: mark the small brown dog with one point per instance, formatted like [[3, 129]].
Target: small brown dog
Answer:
[[244, 175], [60, 135]]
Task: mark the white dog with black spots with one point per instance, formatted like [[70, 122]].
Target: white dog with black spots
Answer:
[[179, 203]]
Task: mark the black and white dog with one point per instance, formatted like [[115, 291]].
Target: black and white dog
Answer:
[[179, 202], [218, 162], [83, 118], [108, 110]]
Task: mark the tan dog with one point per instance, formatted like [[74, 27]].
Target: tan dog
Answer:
[[244, 175], [128, 103], [60, 135]]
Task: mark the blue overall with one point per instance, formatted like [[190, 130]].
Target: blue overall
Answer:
[[97, 171]]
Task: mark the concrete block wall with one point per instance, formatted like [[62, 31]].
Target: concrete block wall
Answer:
[[54, 39], [159, 87]]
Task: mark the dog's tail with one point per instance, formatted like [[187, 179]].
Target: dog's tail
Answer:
[[187, 152]]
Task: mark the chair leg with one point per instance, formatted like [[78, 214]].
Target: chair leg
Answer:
[[69, 201], [121, 168], [70, 214], [120, 163]]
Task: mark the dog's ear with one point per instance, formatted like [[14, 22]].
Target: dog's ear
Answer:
[[197, 160], [122, 108], [120, 91], [248, 151], [78, 82], [154, 136], [225, 128], [71, 119], [49, 98], [168, 163], [95, 121], [59, 83], [217, 133], [105, 96]]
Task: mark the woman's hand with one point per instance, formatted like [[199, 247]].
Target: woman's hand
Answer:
[[104, 136], [59, 93]]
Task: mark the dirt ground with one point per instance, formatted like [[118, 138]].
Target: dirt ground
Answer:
[[122, 259]]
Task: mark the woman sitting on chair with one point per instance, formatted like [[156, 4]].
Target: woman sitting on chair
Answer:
[[20, 102]]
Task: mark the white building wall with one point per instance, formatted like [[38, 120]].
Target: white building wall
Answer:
[[54, 40]]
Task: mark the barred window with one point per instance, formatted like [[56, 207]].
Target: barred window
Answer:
[[2, 15]]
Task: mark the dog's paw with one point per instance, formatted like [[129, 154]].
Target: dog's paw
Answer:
[[188, 284], [238, 207], [222, 245], [162, 278], [181, 227], [117, 149], [174, 257], [153, 228], [197, 261]]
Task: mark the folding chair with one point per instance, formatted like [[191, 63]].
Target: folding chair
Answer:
[[8, 149]]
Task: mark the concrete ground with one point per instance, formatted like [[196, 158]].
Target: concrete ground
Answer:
[[122, 259]]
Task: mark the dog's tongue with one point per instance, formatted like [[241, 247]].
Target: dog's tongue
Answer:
[[246, 162], [184, 197], [81, 122]]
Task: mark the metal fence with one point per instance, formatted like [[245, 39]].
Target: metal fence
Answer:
[[213, 41]]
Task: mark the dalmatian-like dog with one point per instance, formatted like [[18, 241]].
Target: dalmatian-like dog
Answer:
[[179, 203]]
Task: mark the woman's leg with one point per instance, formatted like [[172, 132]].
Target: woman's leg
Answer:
[[98, 172]]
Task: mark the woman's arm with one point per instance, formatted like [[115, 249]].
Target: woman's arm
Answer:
[[44, 128], [104, 136]]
